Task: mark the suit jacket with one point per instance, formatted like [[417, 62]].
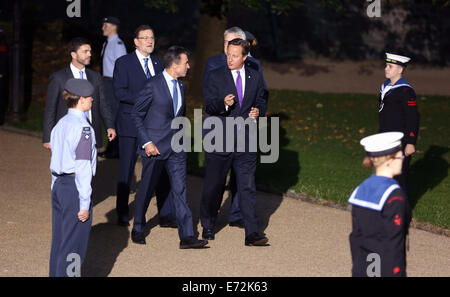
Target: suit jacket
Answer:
[[219, 84], [153, 115], [128, 80], [56, 108]]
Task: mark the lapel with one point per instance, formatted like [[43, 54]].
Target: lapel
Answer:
[[230, 81], [166, 87], [68, 74], [138, 65], [88, 77], [249, 80], [181, 84], [156, 66]]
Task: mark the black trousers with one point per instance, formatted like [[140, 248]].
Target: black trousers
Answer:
[[216, 169]]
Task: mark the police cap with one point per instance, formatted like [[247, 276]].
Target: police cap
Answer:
[[79, 87]]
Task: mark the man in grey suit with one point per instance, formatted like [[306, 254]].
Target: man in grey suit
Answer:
[[55, 107]]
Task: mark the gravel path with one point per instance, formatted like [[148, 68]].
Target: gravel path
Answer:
[[306, 239]]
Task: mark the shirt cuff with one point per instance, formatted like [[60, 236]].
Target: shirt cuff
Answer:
[[143, 147], [85, 204]]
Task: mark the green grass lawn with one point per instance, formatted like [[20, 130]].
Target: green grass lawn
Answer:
[[320, 154]]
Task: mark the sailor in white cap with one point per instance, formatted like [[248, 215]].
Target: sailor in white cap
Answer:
[[380, 211], [398, 110]]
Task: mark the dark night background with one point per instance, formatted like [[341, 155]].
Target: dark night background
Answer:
[[340, 31]]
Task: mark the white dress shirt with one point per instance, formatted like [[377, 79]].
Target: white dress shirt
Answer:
[[76, 74], [149, 64]]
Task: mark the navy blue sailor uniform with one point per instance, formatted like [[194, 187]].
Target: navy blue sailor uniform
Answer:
[[72, 165], [380, 220], [398, 112]]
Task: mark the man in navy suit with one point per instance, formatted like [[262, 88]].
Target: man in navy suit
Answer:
[[233, 92], [131, 72], [161, 101], [235, 218]]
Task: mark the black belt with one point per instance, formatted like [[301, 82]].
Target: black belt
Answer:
[[107, 78], [63, 174]]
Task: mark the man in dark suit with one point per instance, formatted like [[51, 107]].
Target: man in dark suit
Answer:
[[55, 106], [131, 72], [162, 100], [233, 92], [235, 218]]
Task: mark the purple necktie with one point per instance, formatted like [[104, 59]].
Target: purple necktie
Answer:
[[239, 87]]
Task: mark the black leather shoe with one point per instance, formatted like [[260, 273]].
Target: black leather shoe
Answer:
[[165, 222], [238, 223], [138, 237], [255, 239], [208, 234], [192, 243]]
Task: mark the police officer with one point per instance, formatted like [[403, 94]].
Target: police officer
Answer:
[[72, 165], [398, 110], [380, 211], [113, 48]]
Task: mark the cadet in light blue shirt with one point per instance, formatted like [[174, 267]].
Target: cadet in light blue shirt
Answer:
[[72, 165]]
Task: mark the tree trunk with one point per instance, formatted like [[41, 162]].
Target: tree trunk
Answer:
[[209, 43]]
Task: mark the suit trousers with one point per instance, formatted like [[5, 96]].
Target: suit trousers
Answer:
[[152, 169], [69, 235], [216, 169], [127, 163]]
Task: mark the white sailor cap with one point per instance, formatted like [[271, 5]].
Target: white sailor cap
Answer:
[[397, 59], [382, 144]]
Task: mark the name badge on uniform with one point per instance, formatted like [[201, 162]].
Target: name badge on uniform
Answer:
[[86, 132]]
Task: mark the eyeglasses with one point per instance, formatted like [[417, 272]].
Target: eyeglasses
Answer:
[[146, 38]]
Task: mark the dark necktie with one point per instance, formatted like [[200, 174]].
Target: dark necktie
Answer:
[[175, 97]]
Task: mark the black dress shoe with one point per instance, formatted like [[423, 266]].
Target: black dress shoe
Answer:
[[165, 222], [255, 239], [138, 237], [238, 223], [208, 234], [192, 243]]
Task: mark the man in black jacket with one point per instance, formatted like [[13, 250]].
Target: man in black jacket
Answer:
[[56, 108]]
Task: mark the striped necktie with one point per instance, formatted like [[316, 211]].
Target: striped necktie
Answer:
[[147, 71]]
